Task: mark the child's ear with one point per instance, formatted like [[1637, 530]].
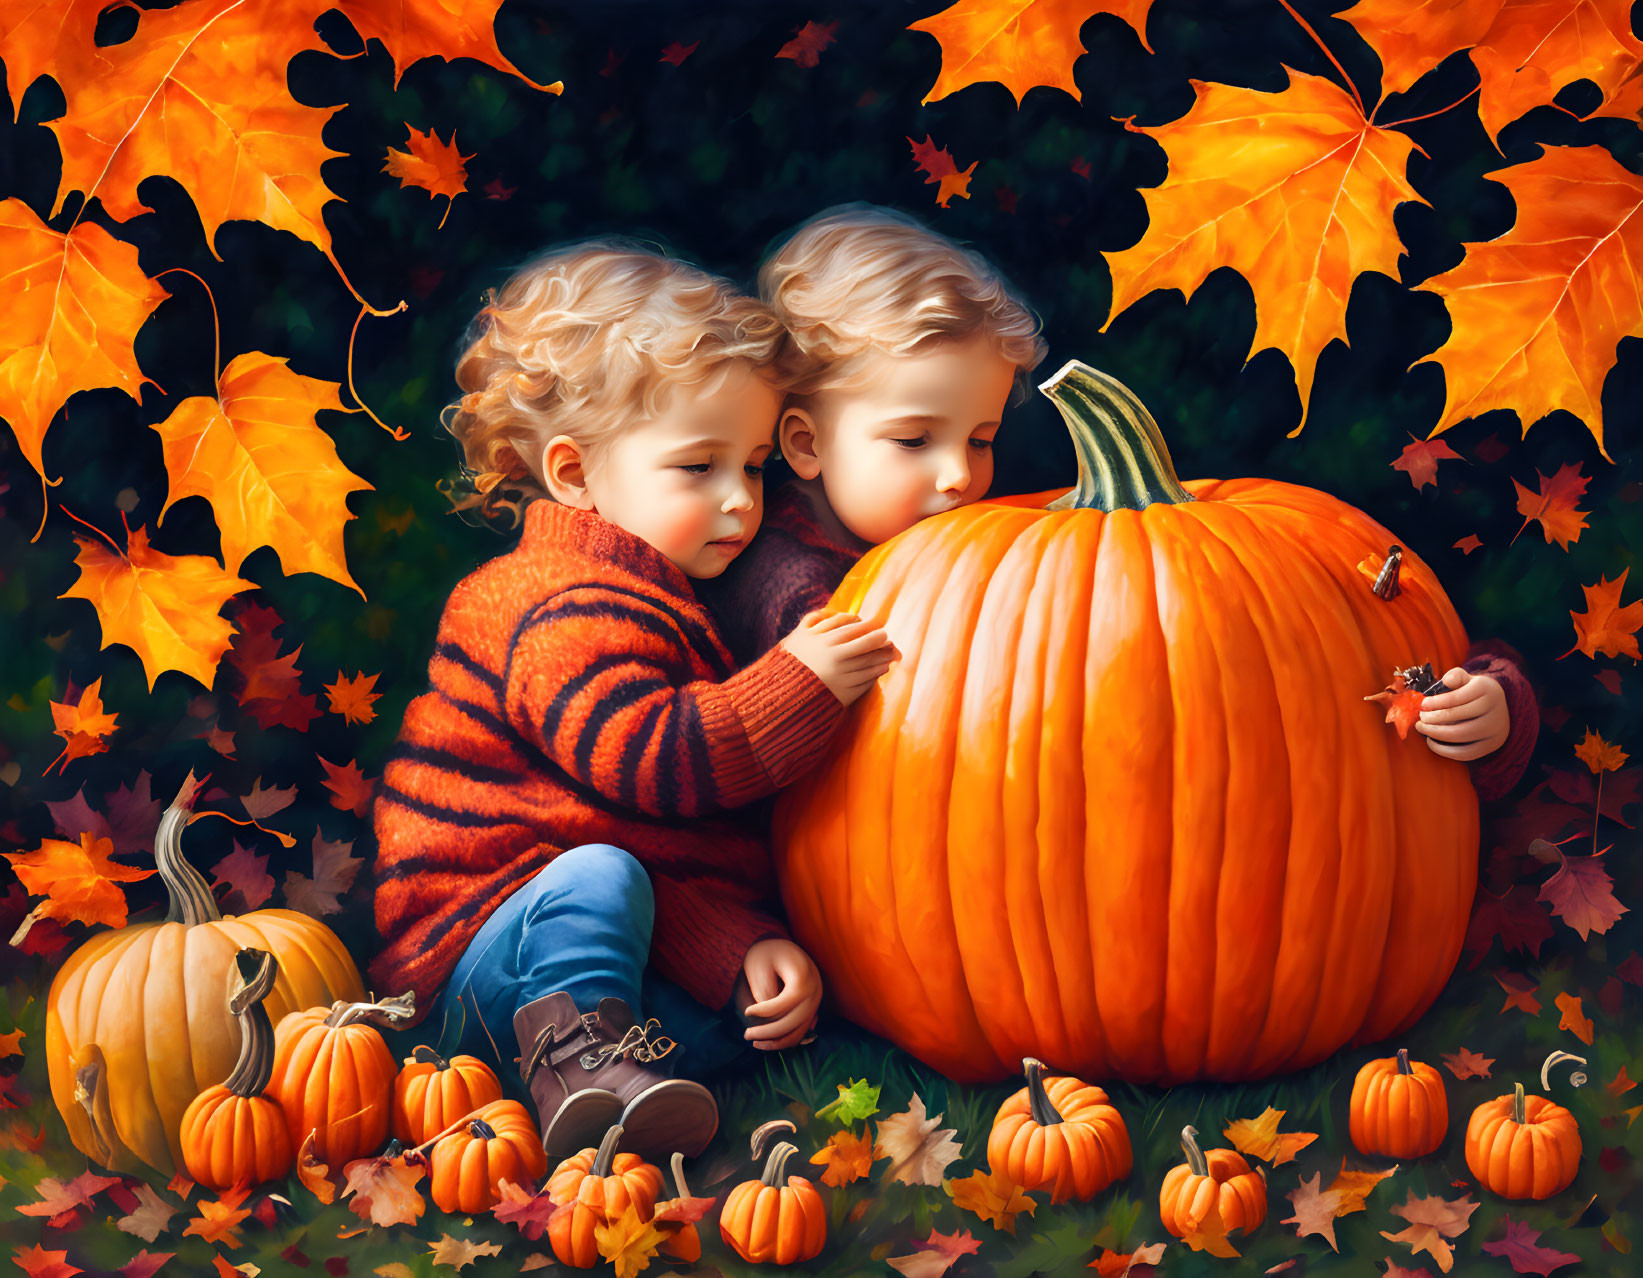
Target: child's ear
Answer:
[[565, 474], [796, 441]]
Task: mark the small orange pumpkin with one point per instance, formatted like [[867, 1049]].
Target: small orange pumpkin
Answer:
[[593, 1187], [686, 1244], [1221, 1179], [1059, 1133], [1398, 1108], [232, 1132], [769, 1222], [1521, 1147], [333, 1074], [431, 1093], [499, 1142]]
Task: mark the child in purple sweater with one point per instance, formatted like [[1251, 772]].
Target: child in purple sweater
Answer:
[[916, 345]]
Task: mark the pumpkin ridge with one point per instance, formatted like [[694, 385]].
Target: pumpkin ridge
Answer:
[[132, 1134], [167, 1046]]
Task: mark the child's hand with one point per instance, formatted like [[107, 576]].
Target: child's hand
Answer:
[[1468, 722], [846, 653], [787, 988]]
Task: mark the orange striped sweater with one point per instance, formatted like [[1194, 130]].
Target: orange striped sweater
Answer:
[[580, 693]]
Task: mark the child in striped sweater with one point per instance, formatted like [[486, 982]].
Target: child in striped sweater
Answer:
[[560, 806], [915, 345]]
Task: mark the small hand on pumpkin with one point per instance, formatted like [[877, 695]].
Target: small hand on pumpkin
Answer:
[[845, 652], [1467, 722], [786, 988]]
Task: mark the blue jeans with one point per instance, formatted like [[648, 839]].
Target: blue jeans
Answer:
[[581, 925]]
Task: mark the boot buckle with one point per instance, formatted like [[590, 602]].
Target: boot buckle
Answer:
[[637, 1042]]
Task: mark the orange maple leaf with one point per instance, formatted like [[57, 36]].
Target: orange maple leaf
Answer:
[[73, 303], [350, 788], [34, 36], [1518, 995], [383, 1190], [1019, 43], [411, 31], [1413, 37], [353, 698], [1403, 706], [1573, 1019], [1605, 627], [1538, 312], [993, 1196], [257, 454], [1260, 1138], [1554, 504], [437, 167], [83, 725], [77, 881], [846, 1156], [1420, 459], [37, 1262], [1600, 755], [199, 95], [218, 1221], [163, 607], [11, 1043], [1467, 544], [1294, 190], [940, 167]]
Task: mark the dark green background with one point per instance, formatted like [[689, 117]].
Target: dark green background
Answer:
[[715, 158]]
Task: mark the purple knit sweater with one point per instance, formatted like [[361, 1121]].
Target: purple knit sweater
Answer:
[[794, 565]]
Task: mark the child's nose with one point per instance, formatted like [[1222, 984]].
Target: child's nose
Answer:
[[954, 475], [740, 498]]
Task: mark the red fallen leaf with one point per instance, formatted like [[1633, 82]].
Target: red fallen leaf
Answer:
[[1630, 969], [1521, 1246], [1581, 894], [530, 1211], [1579, 789], [180, 1185], [1554, 505], [36, 1262], [1403, 705], [676, 53], [1520, 923], [143, 1265], [244, 873], [1467, 1064], [807, 44], [1420, 459], [1610, 679], [132, 815], [335, 868], [495, 190], [260, 803], [1467, 544], [350, 788], [57, 1198], [16, 1135], [1520, 992], [45, 938]]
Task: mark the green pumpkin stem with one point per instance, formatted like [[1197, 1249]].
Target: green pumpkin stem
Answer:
[[1518, 1115], [481, 1130], [191, 899], [607, 1151], [257, 971], [386, 1013], [1044, 1112], [683, 1190], [425, 1055], [775, 1167], [1403, 1061], [1123, 463], [1195, 1156]]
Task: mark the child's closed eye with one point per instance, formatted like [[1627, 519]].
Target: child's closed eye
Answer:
[[697, 468]]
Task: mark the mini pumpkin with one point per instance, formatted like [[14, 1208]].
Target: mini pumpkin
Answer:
[[1219, 1178], [333, 1074], [1398, 1108], [592, 1187], [499, 1142], [1059, 1133], [686, 1243], [232, 1132], [1523, 1147], [431, 1093], [768, 1221]]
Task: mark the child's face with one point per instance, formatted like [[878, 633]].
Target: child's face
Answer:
[[912, 439], [688, 481]]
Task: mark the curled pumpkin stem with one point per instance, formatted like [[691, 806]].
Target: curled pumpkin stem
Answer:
[[1044, 1111], [386, 1013], [764, 1131], [775, 1168], [1575, 1079], [422, 1054], [682, 1189], [257, 971], [607, 1151], [1196, 1163]]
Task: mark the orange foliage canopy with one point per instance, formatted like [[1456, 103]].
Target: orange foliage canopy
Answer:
[[1294, 190], [1020, 43], [1539, 312]]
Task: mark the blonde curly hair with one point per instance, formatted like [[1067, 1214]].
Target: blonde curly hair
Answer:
[[586, 339], [858, 278]]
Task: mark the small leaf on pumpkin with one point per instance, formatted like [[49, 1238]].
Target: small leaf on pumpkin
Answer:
[[313, 1171], [1403, 705]]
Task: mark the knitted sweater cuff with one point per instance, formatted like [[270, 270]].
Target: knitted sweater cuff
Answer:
[[1494, 775], [788, 713]]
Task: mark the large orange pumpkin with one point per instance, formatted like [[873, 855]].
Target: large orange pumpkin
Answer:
[[138, 1017], [1120, 804]]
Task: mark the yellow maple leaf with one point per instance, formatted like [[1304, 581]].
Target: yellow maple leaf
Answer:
[[993, 1196], [437, 167], [458, 1252], [199, 95], [163, 607], [1209, 1233], [1537, 314], [846, 1156], [353, 698], [1354, 1187], [628, 1242], [1019, 43], [258, 455], [73, 303], [1600, 755], [1294, 190], [1260, 1137], [443, 29]]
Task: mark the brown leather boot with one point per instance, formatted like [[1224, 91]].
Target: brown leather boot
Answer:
[[588, 1070]]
